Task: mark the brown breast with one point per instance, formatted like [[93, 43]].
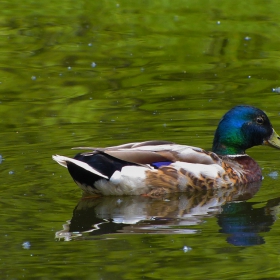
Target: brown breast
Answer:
[[245, 165]]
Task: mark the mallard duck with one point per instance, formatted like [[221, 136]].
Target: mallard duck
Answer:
[[158, 167]]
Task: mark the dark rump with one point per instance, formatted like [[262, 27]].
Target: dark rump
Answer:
[[101, 162]]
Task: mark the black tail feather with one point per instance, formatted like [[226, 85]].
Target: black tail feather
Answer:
[[101, 162]]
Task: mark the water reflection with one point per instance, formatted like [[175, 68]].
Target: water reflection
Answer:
[[243, 222], [177, 213]]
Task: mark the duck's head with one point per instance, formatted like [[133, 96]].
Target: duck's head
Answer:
[[241, 128]]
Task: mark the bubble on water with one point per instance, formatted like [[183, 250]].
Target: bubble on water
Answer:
[[33, 78], [11, 172], [218, 22], [26, 245], [69, 68], [1, 159], [277, 89], [93, 64], [273, 175], [247, 38], [186, 249], [89, 44]]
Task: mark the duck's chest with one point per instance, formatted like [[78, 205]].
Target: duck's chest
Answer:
[[244, 168]]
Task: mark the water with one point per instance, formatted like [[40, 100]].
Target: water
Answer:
[[95, 73]]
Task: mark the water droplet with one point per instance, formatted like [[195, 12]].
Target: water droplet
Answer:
[[26, 245], [186, 249], [273, 175], [277, 89]]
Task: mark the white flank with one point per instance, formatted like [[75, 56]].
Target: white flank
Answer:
[[129, 181], [63, 161]]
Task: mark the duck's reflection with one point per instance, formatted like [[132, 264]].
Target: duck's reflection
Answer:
[[177, 213], [243, 222]]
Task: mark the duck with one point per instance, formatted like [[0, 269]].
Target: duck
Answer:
[[154, 168]]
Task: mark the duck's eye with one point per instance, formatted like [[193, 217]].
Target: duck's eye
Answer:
[[259, 120]]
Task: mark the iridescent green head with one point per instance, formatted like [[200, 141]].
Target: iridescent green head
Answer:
[[241, 128]]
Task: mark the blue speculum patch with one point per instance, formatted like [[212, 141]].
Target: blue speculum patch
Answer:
[[161, 163]]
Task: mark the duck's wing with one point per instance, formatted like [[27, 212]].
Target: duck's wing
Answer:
[[128, 145], [150, 152]]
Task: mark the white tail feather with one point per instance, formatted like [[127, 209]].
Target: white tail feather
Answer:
[[63, 161]]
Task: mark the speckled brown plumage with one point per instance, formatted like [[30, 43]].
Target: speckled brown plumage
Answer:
[[237, 170]]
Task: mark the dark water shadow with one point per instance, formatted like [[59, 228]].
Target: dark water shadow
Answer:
[[243, 221], [176, 213]]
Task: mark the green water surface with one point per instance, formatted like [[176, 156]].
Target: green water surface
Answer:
[[100, 73]]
